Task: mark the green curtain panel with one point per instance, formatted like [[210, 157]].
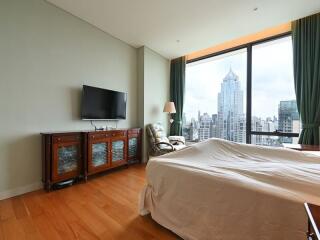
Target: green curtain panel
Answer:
[[177, 89], [306, 57]]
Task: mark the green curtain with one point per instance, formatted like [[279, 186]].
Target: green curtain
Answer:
[[306, 57], [177, 89]]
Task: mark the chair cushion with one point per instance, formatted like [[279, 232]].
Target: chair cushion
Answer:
[[179, 147], [159, 133]]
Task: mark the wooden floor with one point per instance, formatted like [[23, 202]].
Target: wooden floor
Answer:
[[105, 207]]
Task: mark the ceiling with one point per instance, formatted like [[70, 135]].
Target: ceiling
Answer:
[[177, 27]]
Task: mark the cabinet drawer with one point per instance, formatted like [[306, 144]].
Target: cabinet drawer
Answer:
[[66, 138], [118, 133], [99, 136], [134, 131]]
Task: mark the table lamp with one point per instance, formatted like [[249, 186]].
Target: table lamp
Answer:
[[169, 108]]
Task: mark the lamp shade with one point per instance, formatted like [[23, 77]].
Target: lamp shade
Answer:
[[169, 107]]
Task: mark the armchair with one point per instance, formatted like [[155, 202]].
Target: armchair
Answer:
[[159, 143]]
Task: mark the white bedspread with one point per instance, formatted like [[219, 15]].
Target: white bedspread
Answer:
[[223, 190]]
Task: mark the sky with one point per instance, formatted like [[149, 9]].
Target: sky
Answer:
[[272, 79]]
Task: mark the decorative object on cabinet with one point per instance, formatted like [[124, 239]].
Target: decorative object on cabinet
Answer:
[[76, 155]]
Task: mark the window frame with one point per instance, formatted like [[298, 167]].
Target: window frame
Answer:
[[249, 47]]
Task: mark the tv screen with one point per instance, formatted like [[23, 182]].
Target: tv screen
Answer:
[[103, 104]]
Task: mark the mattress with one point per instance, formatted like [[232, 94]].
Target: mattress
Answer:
[[223, 190]]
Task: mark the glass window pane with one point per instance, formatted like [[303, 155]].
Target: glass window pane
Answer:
[[215, 98], [273, 96], [272, 140]]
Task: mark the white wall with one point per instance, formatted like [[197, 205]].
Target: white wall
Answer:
[[46, 55], [154, 85]]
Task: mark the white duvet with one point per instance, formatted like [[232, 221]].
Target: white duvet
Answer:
[[223, 190]]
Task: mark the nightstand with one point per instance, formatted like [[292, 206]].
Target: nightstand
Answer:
[[313, 212]]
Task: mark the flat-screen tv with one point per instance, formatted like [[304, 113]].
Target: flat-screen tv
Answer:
[[102, 104]]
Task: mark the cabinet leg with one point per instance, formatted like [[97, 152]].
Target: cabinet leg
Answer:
[[48, 186]]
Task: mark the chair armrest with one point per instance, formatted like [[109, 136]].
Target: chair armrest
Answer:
[[179, 139], [165, 143]]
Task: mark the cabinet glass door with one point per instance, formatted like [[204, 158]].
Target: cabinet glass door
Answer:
[[99, 154], [133, 147], [67, 159], [118, 148]]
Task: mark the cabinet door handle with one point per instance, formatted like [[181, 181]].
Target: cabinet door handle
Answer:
[[310, 236]]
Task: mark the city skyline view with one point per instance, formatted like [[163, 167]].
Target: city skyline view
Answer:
[[215, 102], [272, 73]]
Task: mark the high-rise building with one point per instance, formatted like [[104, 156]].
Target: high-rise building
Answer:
[[231, 119], [288, 118], [288, 112], [214, 126], [205, 122], [194, 130]]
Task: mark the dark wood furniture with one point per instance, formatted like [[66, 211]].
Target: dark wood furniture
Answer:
[[313, 212], [134, 145], [76, 155], [62, 157], [106, 149], [302, 147]]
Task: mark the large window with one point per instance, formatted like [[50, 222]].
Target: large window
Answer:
[[215, 100], [217, 103], [274, 107]]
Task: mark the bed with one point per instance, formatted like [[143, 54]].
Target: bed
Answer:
[[223, 190]]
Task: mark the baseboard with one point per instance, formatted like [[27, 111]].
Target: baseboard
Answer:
[[20, 190]]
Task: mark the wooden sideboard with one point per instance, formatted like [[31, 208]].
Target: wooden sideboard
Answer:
[[77, 155]]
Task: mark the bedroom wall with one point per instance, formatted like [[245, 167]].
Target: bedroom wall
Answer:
[[46, 55], [154, 86]]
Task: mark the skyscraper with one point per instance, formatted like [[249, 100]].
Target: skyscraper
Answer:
[[288, 118], [231, 118], [205, 122], [214, 126]]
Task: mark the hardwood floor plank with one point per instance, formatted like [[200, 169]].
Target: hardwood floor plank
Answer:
[[19, 208], [82, 232], [1, 231], [31, 202], [45, 227], [77, 224], [6, 209], [30, 231], [106, 207], [12, 229], [57, 222]]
